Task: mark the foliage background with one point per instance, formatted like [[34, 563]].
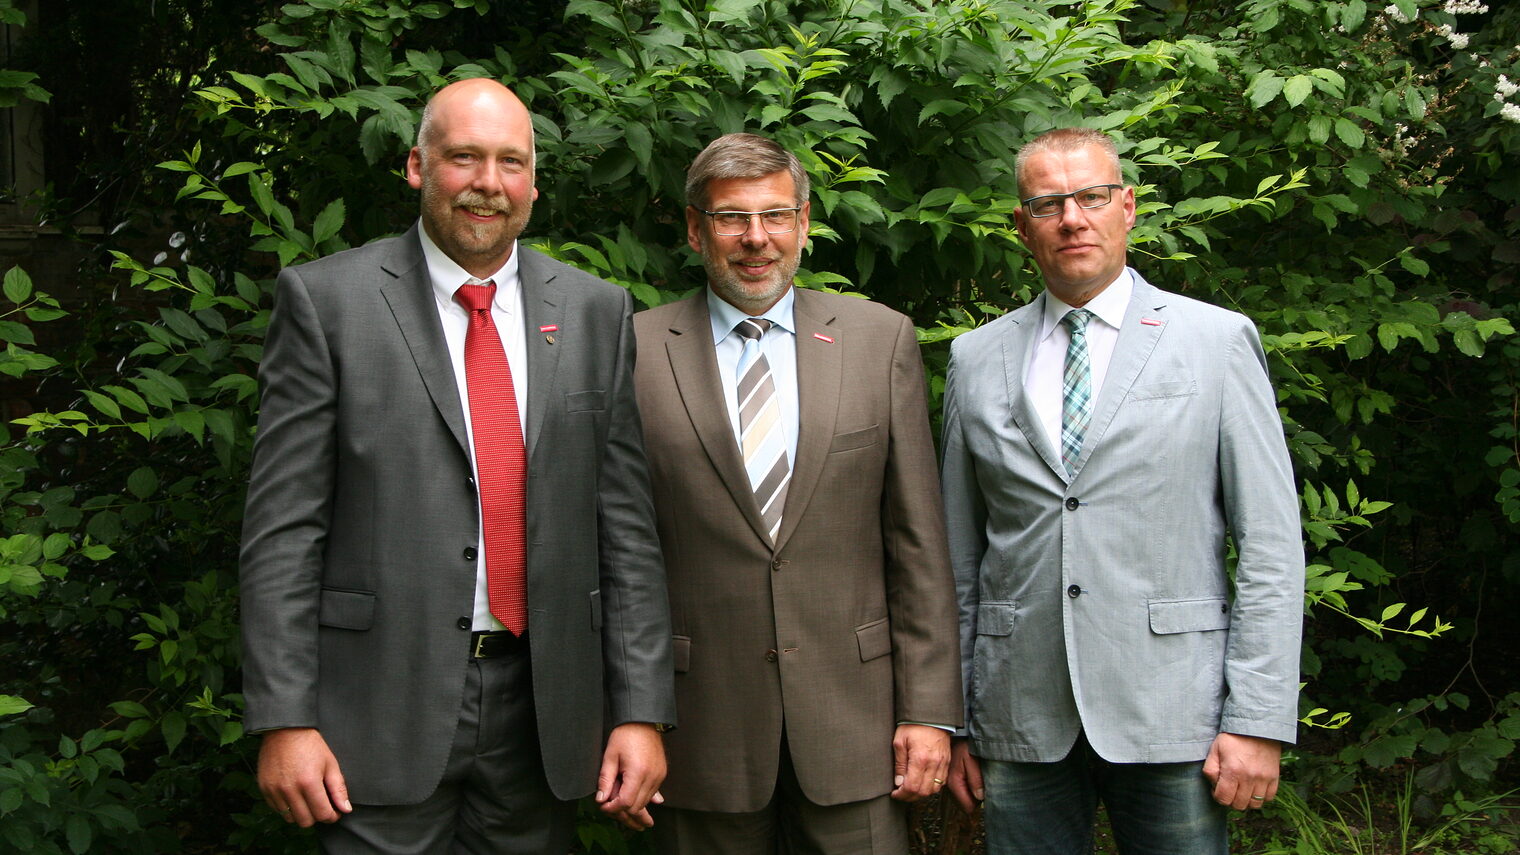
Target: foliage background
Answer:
[[1345, 174]]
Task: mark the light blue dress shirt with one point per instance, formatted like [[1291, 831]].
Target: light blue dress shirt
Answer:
[[780, 348]]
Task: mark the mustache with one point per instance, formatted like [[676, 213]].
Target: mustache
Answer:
[[475, 199]]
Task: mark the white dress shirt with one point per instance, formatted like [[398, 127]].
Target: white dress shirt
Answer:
[[779, 344], [508, 315], [1047, 364]]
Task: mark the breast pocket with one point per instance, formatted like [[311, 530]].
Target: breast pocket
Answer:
[[854, 439], [591, 400], [1163, 390]]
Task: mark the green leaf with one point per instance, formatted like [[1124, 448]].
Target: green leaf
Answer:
[[1348, 133], [18, 285], [143, 482], [329, 222], [79, 833], [11, 705], [105, 405], [1297, 88], [1264, 87], [173, 726]]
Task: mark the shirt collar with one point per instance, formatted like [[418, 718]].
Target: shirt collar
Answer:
[[447, 275], [725, 316], [1109, 306]]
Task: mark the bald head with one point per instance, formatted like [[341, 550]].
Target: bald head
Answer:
[[464, 98], [473, 163]]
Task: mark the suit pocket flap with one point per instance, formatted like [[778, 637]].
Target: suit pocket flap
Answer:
[[874, 638], [580, 402], [995, 618], [854, 439], [680, 645], [346, 609], [1169, 616], [1165, 389]]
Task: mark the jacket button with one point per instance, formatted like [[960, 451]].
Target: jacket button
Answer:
[[780, 564], [1072, 504], [1224, 608], [463, 623], [469, 553], [1074, 591], [469, 481], [770, 656]]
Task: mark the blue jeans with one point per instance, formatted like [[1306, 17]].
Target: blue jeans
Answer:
[[1048, 808]]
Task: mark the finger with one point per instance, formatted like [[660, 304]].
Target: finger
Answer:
[[961, 790], [899, 760], [637, 820], [1271, 794], [606, 778], [337, 790], [318, 807], [1211, 765]]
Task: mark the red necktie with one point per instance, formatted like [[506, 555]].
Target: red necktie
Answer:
[[501, 461]]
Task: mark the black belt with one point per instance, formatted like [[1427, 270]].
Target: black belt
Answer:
[[492, 645]]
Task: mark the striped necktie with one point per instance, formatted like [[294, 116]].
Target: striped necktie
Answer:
[[501, 461], [760, 435], [1076, 389]]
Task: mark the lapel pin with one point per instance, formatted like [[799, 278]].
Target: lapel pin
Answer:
[[1152, 322], [546, 329], [822, 337]]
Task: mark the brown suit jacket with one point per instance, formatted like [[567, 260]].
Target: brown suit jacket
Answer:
[[847, 625]]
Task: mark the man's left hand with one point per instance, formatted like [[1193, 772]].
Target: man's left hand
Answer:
[[633, 766], [1243, 770], [921, 759]]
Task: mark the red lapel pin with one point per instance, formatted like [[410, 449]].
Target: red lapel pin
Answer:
[[822, 337]]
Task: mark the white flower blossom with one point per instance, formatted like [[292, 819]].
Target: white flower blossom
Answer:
[[1510, 112], [1393, 12], [1456, 39], [1465, 7], [1505, 87]]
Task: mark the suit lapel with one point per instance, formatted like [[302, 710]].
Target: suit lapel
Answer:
[[410, 296], [1144, 324], [542, 307], [1016, 349], [820, 372], [694, 362]]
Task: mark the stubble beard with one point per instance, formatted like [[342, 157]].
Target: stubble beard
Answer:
[[466, 241], [742, 294]]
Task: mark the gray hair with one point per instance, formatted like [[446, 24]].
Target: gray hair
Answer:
[[742, 156], [1067, 140]]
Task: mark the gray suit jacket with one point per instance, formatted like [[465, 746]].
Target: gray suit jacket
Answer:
[[844, 626], [1101, 601], [356, 587]]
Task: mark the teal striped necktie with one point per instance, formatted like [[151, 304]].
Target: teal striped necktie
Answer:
[[1076, 389]]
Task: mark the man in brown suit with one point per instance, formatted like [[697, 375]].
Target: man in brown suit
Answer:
[[795, 490]]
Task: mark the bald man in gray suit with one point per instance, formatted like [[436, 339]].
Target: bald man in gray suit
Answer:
[[397, 705]]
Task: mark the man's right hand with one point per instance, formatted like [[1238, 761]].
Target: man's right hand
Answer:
[[299, 777], [965, 776]]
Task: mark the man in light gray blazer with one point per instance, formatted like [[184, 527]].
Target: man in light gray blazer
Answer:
[[1094, 468], [395, 703]]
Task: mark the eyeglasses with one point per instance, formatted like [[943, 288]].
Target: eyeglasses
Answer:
[[1095, 196], [777, 221]]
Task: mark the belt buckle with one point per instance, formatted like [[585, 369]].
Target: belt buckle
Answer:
[[480, 640]]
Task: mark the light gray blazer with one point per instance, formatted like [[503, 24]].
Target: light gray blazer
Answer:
[[356, 584], [1101, 602]]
